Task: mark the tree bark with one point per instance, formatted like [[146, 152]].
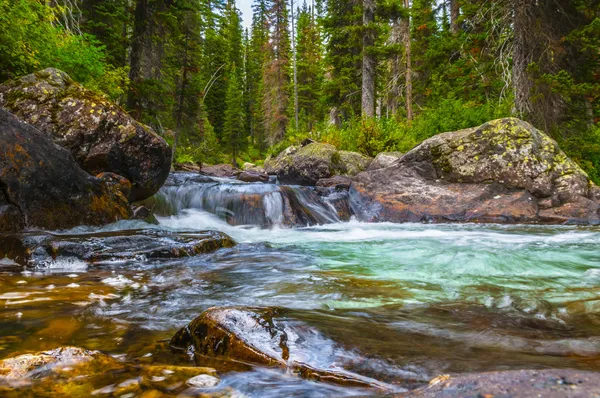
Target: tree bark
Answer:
[[522, 83], [369, 60], [135, 63], [454, 14], [408, 72]]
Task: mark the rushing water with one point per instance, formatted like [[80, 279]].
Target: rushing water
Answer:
[[402, 303]]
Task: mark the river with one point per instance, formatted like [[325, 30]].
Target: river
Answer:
[[401, 303]]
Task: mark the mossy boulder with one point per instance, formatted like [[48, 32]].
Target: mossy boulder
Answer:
[[308, 164], [504, 171], [42, 186], [100, 135]]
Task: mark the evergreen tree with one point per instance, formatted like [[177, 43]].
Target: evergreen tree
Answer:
[[310, 69], [276, 73], [234, 135]]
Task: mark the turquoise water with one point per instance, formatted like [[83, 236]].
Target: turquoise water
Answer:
[[399, 303]]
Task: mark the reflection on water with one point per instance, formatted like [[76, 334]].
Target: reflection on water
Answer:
[[406, 302]]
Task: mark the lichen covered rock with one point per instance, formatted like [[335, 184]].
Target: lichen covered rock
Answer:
[[42, 186], [384, 159], [308, 164], [504, 171], [101, 136]]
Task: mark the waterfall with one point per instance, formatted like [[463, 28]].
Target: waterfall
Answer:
[[257, 204]]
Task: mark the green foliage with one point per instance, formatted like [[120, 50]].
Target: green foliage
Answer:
[[31, 39]]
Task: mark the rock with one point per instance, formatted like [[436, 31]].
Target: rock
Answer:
[[188, 167], [143, 213], [505, 171], [101, 136], [337, 182], [24, 368], [384, 159], [308, 164], [77, 372], [551, 383], [121, 183], [259, 336], [251, 176], [203, 381], [40, 249], [252, 167], [42, 186], [353, 163], [220, 171]]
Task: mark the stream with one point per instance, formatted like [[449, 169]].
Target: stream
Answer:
[[400, 303]]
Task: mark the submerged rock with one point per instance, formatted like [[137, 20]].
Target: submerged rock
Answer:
[[505, 171], [551, 383], [101, 136], [39, 249], [308, 164], [260, 336], [42, 186], [73, 371]]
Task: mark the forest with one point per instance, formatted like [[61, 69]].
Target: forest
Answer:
[[368, 76]]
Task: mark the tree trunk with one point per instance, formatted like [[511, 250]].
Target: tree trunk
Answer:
[[294, 60], [135, 63], [369, 60], [454, 14], [408, 72], [522, 83]]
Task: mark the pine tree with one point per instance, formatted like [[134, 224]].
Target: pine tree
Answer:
[[276, 73], [310, 69], [256, 61], [342, 27], [234, 132]]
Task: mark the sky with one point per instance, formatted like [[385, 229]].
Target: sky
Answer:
[[246, 7]]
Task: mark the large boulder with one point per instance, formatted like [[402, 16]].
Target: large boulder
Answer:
[[504, 171], [308, 164], [260, 336], [101, 136], [42, 186]]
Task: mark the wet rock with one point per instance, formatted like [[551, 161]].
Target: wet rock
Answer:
[[42, 186], [101, 136], [384, 159], [145, 214], [551, 383], [308, 164], [23, 368], [261, 336], [72, 371], [252, 176], [203, 381], [39, 249], [337, 182], [220, 171], [505, 171], [121, 183]]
